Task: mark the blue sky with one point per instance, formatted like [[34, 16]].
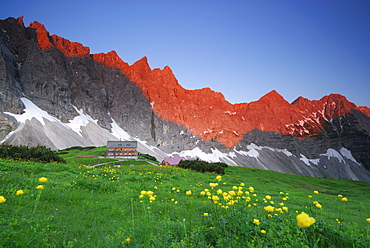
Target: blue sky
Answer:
[[243, 49]]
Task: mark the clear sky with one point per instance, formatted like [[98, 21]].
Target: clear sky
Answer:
[[243, 49]]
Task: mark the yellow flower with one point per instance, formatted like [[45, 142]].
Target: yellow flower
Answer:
[[141, 196], [128, 240], [43, 179], [40, 187], [281, 204], [152, 198], [232, 192], [242, 184], [269, 208], [316, 192], [281, 193], [219, 178], [215, 198], [268, 197], [202, 193], [212, 185], [309, 196], [263, 231], [251, 189], [2, 199], [219, 191], [188, 192], [340, 195], [368, 220], [304, 220], [211, 227], [284, 198], [318, 205], [285, 208], [19, 192], [143, 192], [257, 222], [149, 193], [205, 214], [344, 199], [173, 188], [235, 188]]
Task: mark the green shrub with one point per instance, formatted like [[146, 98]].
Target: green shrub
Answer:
[[147, 156], [38, 153], [203, 166]]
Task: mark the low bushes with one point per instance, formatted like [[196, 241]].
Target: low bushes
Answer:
[[38, 153], [203, 166]]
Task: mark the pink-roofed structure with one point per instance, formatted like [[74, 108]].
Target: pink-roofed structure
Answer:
[[172, 160]]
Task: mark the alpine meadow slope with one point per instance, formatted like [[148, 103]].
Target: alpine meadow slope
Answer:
[[53, 92]]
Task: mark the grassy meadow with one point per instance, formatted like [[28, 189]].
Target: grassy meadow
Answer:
[[73, 205]]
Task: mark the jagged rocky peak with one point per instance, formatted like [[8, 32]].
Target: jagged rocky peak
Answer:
[[273, 97]]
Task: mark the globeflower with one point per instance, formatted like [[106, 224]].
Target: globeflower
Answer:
[[269, 208], [304, 220], [188, 192], [40, 187], [219, 178], [344, 199], [368, 220], [316, 192], [251, 189], [215, 198], [128, 240], [205, 214], [2, 199], [263, 231], [268, 197], [257, 222], [43, 179], [19, 192]]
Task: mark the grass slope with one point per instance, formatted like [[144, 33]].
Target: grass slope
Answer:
[[151, 206]]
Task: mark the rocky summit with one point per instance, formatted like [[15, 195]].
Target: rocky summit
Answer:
[[54, 92]]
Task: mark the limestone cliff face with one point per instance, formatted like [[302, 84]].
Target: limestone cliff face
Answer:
[[58, 75]]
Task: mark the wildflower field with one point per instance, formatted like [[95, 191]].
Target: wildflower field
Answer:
[[72, 205]]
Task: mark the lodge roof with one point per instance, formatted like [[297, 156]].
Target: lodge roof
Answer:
[[173, 160], [121, 143]]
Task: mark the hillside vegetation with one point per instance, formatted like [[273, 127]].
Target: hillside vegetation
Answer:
[[141, 205]]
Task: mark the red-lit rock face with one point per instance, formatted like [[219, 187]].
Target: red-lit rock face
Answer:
[[206, 112]]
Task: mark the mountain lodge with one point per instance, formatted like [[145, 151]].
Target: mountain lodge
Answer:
[[126, 149]]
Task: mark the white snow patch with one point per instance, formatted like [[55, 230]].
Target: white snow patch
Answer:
[[196, 152], [118, 132], [333, 153], [304, 159], [285, 151], [315, 161], [230, 113], [32, 111], [80, 121], [347, 154]]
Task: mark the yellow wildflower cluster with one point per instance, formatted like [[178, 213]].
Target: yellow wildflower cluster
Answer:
[[304, 220], [148, 193], [2, 199]]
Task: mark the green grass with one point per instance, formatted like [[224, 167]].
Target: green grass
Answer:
[[101, 207]]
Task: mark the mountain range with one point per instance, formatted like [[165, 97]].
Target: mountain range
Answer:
[[54, 92]]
